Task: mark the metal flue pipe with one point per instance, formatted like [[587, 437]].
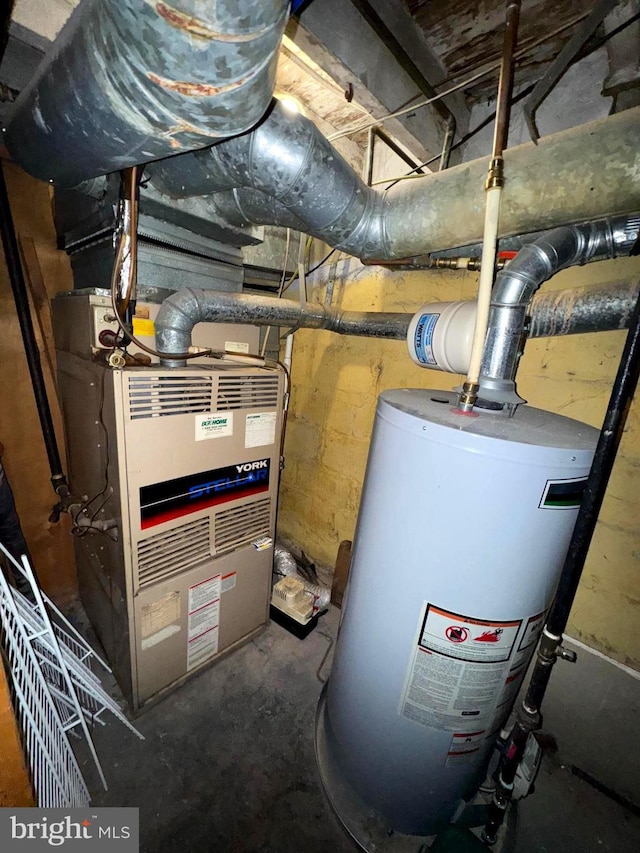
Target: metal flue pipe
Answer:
[[186, 307], [598, 308], [516, 284]]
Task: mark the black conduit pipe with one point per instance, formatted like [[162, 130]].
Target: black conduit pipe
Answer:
[[19, 290], [528, 715]]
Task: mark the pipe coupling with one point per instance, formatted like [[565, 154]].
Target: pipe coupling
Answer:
[[495, 177], [468, 397]]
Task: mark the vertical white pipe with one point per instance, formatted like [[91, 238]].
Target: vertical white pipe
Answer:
[[487, 270]]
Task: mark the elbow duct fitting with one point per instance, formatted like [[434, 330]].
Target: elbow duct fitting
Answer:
[[186, 87], [516, 284], [182, 310], [440, 334], [449, 325]]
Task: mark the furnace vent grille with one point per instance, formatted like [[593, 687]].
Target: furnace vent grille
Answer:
[[158, 396], [169, 553], [252, 391], [242, 525]]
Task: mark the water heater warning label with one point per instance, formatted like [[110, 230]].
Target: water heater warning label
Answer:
[[458, 670], [464, 638]]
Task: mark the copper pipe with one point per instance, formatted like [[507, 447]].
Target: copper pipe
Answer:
[[505, 84]]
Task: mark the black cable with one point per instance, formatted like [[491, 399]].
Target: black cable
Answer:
[[23, 310], [469, 135], [320, 263], [312, 270]]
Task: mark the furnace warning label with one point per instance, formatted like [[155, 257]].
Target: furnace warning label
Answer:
[[203, 620], [464, 638], [458, 670], [228, 582]]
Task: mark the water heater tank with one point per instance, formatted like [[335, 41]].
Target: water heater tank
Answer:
[[463, 528]]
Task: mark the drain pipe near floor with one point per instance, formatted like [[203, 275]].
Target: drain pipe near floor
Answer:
[[495, 182]]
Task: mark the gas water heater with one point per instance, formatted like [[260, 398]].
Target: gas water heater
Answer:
[[463, 528]]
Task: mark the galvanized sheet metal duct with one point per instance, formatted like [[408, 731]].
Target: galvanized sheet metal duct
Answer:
[[129, 81], [516, 284], [283, 172], [599, 308], [286, 172], [581, 310], [182, 310]]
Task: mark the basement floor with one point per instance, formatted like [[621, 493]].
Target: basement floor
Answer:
[[228, 766]]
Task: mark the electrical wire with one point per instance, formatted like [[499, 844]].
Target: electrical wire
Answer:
[[596, 45], [357, 128], [280, 289], [312, 270]]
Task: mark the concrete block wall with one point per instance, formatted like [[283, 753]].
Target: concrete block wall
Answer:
[[336, 382]]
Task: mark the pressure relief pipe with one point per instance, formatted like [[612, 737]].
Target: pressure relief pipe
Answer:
[[494, 184]]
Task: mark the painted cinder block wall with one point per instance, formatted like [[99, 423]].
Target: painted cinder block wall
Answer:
[[336, 381]]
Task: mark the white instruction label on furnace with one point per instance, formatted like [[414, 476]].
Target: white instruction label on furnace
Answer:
[[214, 425], [203, 620], [260, 429], [457, 670], [236, 346]]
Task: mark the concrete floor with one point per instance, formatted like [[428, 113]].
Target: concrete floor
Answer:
[[228, 766]]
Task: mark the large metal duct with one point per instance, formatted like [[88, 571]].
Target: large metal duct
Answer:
[[285, 172], [600, 308], [129, 81]]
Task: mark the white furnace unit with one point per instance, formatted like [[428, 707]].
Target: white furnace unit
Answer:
[[463, 529], [181, 468]]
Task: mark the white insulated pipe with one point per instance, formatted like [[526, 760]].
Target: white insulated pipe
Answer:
[[485, 285]]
